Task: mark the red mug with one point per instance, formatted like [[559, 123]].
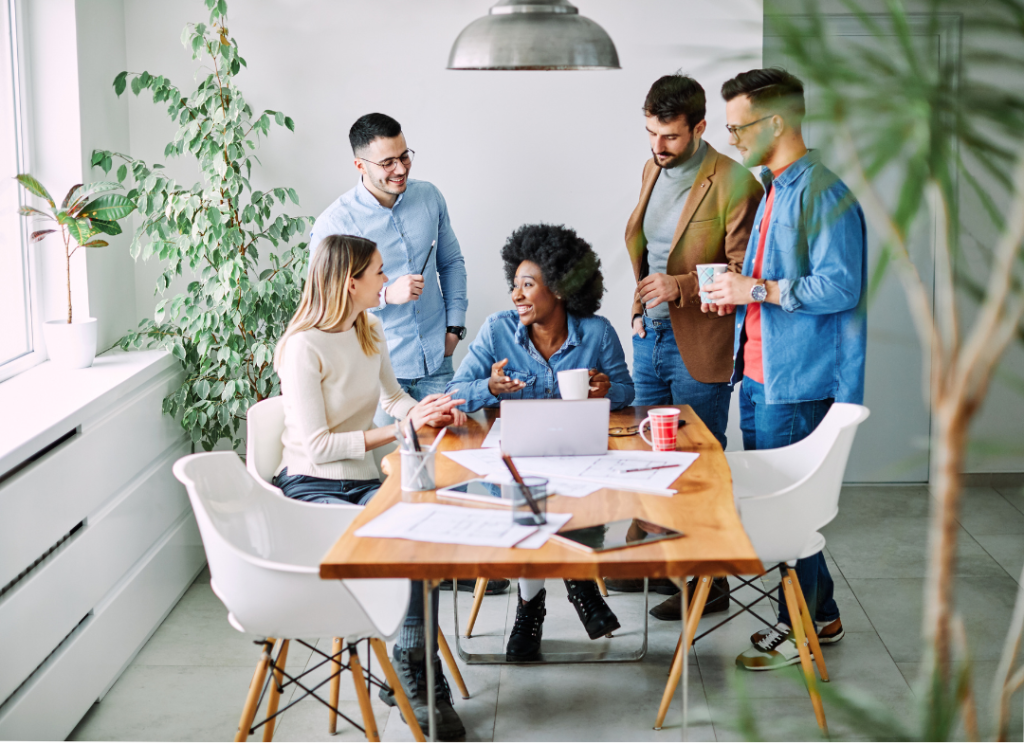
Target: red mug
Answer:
[[664, 426]]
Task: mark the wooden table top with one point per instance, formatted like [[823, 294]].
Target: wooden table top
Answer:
[[714, 542]]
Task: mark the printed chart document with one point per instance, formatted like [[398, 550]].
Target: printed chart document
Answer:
[[555, 522], [438, 523], [629, 470]]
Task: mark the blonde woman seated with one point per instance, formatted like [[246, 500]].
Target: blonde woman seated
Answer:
[[334, 368]]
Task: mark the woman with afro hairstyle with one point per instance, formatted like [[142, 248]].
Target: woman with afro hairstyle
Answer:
[[556, 288]]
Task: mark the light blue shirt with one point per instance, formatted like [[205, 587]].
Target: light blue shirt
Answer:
[[814, 343], [415, 331], [592, 343]]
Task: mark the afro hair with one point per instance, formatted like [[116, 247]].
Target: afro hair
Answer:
[[568, 263]]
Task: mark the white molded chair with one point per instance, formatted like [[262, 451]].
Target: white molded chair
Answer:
[[264, 552], [263, 452], [784, 497]]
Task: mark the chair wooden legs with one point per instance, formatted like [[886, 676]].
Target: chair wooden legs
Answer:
[[274, 698], [478, 599], [700, 597], [253, 698], [369, 721], [601, 586], [332, 718], [449, 659], [796, 618], [396, 685], [812, 635]]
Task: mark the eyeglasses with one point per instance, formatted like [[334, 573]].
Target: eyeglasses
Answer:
[[735, 128], [388, 164]]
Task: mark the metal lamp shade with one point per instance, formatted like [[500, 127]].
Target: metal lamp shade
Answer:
[[548, 35]]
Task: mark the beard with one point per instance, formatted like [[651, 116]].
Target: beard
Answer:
[[677, 160]]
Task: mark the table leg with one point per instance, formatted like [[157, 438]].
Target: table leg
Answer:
[[428, 626], [684, 614]]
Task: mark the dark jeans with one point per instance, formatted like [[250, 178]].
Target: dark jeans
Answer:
[[767, 426], [326, 491], [412, 626], [660, 377]]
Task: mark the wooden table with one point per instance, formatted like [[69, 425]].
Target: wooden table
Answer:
[[715, 543], [703, 509]]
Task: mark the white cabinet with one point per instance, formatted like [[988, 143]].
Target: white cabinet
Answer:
[[97, 542]]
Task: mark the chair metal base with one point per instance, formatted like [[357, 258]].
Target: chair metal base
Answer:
[[553, 658]]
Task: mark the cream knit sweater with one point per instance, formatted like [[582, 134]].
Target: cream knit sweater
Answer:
[[330, 390]]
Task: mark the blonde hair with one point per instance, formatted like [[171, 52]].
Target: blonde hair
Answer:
[[326, 301]]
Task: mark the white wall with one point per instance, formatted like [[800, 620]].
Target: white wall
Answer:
[[505, 148]]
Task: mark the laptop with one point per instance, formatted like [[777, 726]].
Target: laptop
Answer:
[[555, 427]]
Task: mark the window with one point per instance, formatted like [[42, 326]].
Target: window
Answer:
[[17, 325]]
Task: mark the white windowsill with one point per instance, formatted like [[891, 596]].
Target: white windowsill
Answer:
[[42, 404]]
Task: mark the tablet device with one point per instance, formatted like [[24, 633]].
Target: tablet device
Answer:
[[474, 490], [617, 535]]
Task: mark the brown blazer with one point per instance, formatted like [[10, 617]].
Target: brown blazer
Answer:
[[713, 228]]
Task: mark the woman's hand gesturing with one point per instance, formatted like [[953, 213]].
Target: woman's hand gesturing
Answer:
[[600, 384], [438, 410], [500, 383]]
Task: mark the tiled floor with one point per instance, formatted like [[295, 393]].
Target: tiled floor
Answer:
[[190, 680]]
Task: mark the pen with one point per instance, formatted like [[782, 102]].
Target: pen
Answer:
[[414, 437], [507, 459], [428, 257], [645, 468]]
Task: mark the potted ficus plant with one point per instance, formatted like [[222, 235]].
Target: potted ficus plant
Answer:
[[87, 211]]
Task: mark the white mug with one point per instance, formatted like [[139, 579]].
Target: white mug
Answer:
[[574, 385]]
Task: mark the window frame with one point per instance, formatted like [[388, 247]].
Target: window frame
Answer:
[[37, 354]]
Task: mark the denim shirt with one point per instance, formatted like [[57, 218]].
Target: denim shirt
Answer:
[[415, 331], [592, 343], [814, 342]]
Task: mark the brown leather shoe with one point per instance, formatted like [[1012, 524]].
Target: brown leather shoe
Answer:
[[718, 601]]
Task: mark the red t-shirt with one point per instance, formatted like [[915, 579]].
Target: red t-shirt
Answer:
[[753, 360]]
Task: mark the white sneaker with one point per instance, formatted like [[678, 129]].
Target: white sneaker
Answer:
[[776, 648]]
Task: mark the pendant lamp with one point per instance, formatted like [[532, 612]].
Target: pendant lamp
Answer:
[[533, 35]]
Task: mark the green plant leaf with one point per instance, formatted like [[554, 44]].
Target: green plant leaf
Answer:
[[35, 188], [67, 199], [107, 226], [26, 211], [108, 207], [81, 230], [120, 82], [95, 244]]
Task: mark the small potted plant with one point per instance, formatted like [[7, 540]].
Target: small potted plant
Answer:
[[86, 211]]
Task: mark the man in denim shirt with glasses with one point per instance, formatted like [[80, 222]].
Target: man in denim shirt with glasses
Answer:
[[424, 319], [801, 321]]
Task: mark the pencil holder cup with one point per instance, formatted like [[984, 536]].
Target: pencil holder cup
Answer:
[[417, 471], [522, 512]]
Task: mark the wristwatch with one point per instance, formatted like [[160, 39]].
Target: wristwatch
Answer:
[[759, 293], [459, 331]]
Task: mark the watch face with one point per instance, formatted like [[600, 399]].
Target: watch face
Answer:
[[759, 293]]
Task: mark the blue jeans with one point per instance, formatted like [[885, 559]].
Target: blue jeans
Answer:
[[767, 426], [660, 377], [420, 388], [326, 491]]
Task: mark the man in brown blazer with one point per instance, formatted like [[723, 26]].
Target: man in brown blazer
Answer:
[[696, 207]]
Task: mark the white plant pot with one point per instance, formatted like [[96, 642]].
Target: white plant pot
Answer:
[[71, 345]]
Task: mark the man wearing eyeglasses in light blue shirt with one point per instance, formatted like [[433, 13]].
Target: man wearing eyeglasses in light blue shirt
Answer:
[[423, 306]]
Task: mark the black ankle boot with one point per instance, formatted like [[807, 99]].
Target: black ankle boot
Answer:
[[524, 642], [593, 611]]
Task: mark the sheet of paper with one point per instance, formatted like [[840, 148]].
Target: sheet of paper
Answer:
[[555, 522], [439, 523], [621, 469], [493, 439], [556, 487]]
